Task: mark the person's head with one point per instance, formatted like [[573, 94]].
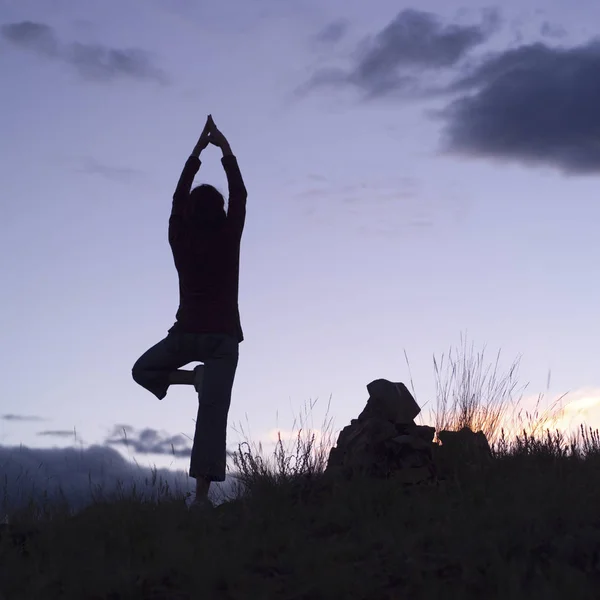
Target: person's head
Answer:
[[207, 207]]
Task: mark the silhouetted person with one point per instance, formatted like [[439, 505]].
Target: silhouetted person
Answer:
[[205, 241]]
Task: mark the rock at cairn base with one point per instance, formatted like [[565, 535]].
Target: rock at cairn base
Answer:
[[462, 450], [384, 441]]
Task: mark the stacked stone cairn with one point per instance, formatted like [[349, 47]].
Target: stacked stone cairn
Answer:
[[385, 442]]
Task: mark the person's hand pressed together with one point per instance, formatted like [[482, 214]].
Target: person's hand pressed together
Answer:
[[217, 138], [204, 137]]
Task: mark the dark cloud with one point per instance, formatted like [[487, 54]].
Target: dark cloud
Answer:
[[91, 61], [104, 64], [57, 433], [393, 60], [150, 441], [419, 39], [333, 32], [33, 36], [21, 418], [84, 474], [534, 104], [110, 172]]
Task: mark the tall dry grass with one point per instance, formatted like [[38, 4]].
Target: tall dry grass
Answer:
[[306, 460], [471, 391], [475, 393]]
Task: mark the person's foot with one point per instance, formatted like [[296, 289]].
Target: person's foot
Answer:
[[200, 504], [182, 377]]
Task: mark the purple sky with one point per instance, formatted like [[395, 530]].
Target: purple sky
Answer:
[[412, 175]]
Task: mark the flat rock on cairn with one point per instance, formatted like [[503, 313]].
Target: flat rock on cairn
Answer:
[[384, 441]]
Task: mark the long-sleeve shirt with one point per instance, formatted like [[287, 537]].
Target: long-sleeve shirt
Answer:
[[207, 262]]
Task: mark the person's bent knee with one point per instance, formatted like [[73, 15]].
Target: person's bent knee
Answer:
[[138, 373]]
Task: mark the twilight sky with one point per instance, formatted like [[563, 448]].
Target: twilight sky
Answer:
[[413, 174]]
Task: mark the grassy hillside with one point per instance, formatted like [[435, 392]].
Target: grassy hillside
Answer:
[[529, 527]]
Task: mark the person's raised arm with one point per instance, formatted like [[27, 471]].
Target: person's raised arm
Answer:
[[236, 212], [192, 165]]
